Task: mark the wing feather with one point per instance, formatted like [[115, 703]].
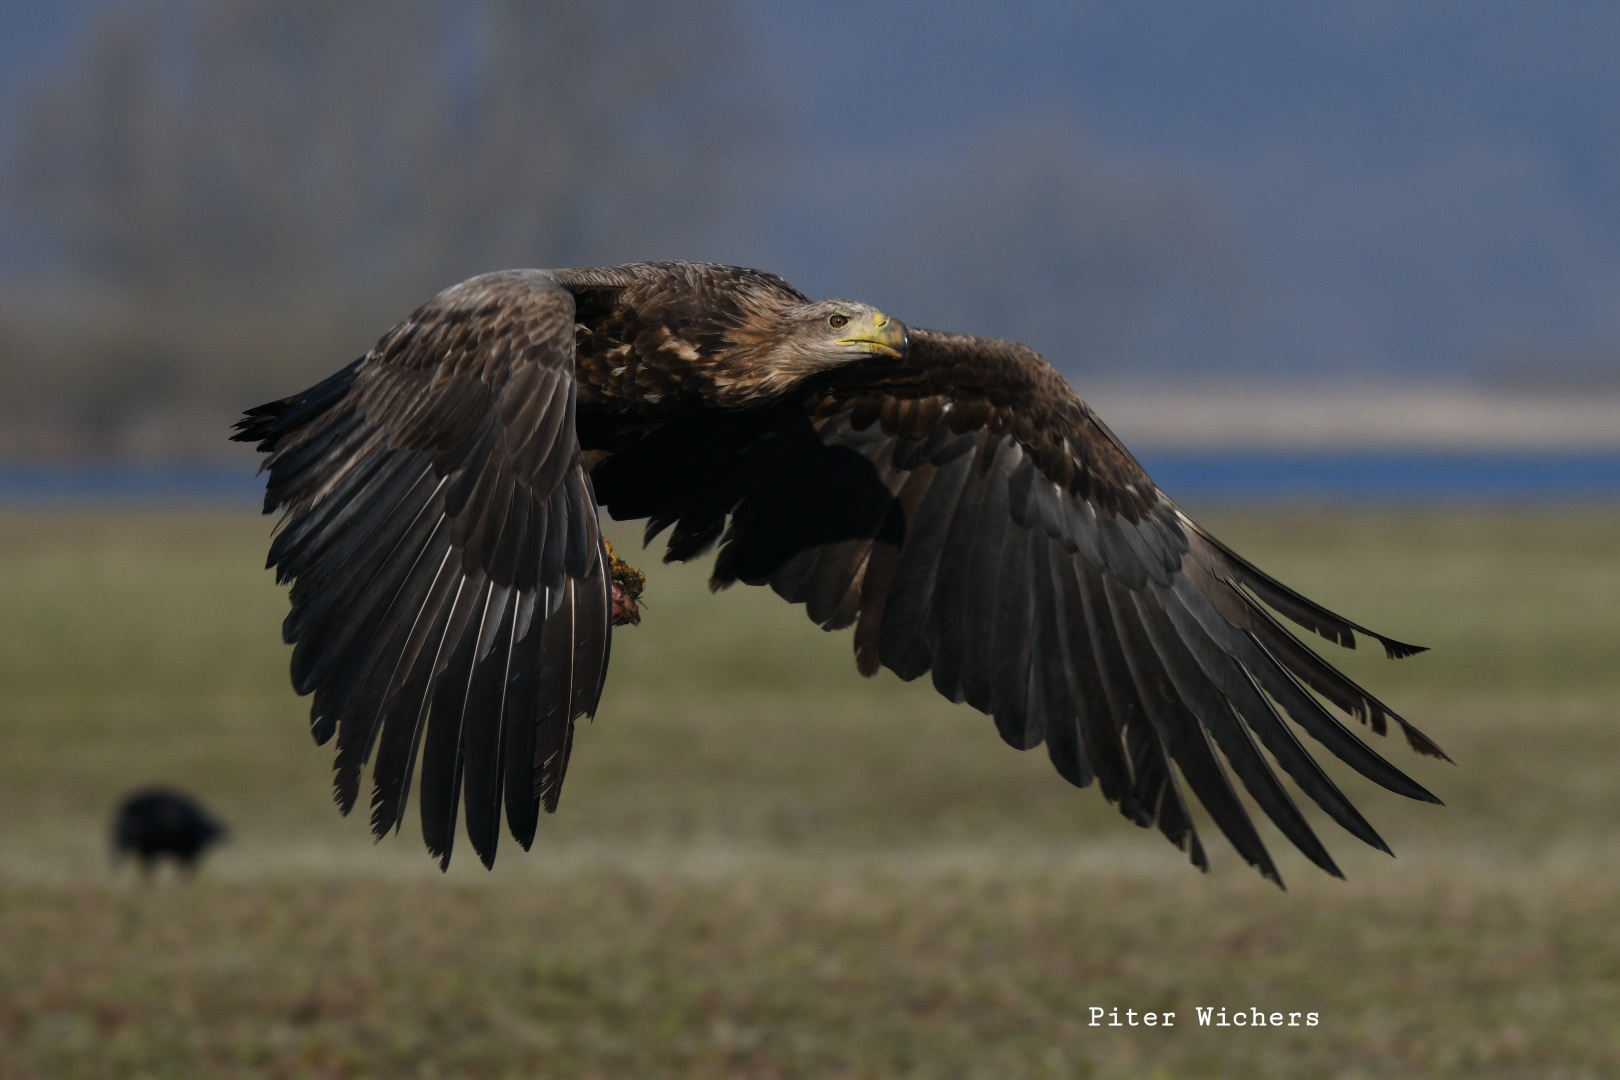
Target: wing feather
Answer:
[[436, 519]]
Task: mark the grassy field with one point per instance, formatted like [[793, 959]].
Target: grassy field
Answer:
[[765, 866]]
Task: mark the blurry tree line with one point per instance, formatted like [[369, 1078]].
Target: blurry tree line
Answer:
[[236, 197], [241, 194]]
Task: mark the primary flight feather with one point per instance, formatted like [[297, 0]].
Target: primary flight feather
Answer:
[[949, 497]]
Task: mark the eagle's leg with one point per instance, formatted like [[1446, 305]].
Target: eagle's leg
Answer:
[[627, 585]]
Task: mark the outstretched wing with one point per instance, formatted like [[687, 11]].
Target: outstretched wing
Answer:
[[969, 516], [450, 591]]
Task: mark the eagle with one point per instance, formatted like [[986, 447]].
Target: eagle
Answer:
[[951, 498]]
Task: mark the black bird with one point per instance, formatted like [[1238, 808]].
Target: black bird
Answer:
[[951, 498], [158, 822]]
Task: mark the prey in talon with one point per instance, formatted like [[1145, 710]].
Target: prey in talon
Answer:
[[628, 583]]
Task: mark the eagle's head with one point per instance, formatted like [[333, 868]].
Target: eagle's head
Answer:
[[783, 344], [834, 332], [778, 344]]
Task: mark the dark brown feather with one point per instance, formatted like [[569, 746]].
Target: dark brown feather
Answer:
[[435, 511]]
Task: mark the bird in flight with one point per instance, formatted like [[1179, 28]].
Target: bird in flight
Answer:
[[949, 497]]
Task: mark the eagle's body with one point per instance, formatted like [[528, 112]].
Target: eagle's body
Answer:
[[949, 497]]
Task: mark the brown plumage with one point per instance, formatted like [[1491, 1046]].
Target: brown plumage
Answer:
[[950, 498]]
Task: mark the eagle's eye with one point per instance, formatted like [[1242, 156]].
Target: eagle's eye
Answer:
[[838, 322]]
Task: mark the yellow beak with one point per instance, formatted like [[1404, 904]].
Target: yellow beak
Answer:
[[878, 334]]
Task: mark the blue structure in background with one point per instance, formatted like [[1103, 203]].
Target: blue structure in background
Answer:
[[1241, 476], [129, 485], [1392, 476]]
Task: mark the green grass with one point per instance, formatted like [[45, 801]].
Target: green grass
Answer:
[[765, 866]]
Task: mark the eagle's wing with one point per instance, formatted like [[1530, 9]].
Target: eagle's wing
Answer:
[[449, 581], [970, 516]]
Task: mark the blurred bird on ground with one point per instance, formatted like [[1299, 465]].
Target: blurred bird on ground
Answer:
[[155, 823]]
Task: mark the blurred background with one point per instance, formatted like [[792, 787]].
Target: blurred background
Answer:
[[1346, 274], [1212, 217]]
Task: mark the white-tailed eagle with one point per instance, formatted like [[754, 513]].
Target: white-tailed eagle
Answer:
[[950, 498]]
